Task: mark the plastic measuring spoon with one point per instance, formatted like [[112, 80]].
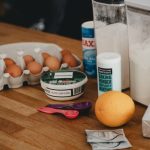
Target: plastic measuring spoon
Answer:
[[82, 107], [71, 114]]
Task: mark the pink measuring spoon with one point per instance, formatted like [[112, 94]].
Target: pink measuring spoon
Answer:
[[71, 114]]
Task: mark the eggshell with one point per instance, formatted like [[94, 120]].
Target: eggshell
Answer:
[[14, 70], [45, 55], [70, 60], [9, 61], [52, 63], [28, 59], [65, 51], [34, 67]]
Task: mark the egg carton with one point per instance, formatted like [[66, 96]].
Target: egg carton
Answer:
[[16, 51]]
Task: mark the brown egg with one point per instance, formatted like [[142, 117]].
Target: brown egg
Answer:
[[34, 67], [9, 61], [65, 51], [14, 70], [52, 63], [70, 60], [45, 55], [28, 59]]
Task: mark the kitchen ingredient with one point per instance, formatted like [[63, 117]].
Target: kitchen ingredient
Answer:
[[70, 60], [107, 139], [114, 38], [14, 70], [97, 136], [28, 59], [9, 61], [45, 55], [139, 49], [52, 63], [65, 51], [63, 84], [108, 72], [70, 114], [114, 108], [34, 67], [89, 48]]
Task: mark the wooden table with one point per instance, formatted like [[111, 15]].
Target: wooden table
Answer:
[[23, 128]]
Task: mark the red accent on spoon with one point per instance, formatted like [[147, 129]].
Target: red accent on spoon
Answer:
[[71, 114]]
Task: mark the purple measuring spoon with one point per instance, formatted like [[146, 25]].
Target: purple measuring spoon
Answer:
[[82, 107], [71, 114]]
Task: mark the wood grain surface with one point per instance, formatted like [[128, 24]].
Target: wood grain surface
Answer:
[[23, 128]]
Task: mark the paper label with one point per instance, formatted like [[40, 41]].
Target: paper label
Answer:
[[105, 79]]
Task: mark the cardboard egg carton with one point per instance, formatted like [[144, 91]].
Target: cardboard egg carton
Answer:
[[16, 51]]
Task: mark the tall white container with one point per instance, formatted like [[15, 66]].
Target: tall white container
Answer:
[[138, 18], [111, 32]]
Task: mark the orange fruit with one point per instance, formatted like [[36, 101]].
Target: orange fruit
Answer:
[[114, 108]]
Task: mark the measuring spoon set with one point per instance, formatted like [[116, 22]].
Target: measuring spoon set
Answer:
[[70, 111]]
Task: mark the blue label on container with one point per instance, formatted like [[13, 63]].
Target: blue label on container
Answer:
[[87, 32], [89, 62], [89, 51]]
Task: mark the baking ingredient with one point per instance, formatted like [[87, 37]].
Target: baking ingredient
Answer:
[[114, 38], [107, 139], [14, 70], [65, 51], [34, 67], [89, 48], [114, 108], [70, 60], [28, 59], [45, 55], [108, 72], [9, 61], [139, 40], [52, 63]]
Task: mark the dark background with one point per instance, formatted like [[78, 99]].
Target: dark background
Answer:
[[62, 17]]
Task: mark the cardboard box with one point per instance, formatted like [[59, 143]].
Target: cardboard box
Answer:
[[146, 123]]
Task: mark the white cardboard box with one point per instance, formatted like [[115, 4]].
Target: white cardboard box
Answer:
[[146, 123]]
